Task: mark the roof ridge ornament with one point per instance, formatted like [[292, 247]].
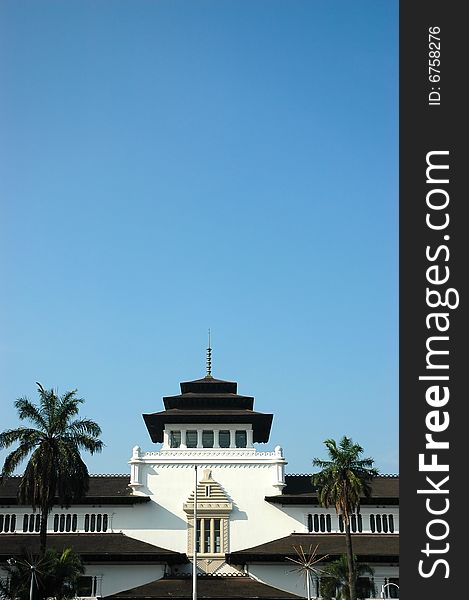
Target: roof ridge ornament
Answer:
[[209, 358]]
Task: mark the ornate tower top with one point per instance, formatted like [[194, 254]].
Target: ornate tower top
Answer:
[[209, 357]]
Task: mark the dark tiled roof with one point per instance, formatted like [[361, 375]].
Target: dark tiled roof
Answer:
[[93, 547], [299, 490], [367, 547], [214, 587], [103, 489]]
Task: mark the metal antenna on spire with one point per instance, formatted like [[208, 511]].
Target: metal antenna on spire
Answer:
[[209, 357]]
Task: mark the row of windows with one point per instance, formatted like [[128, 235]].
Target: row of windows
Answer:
[[7, 523], [92, 523], [208, 439], [379, 523], [65, 522], [382, 523]]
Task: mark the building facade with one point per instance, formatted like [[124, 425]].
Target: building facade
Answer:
[[210, 489]]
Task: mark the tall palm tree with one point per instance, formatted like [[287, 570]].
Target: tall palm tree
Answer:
[[343, 479], [55, 472]]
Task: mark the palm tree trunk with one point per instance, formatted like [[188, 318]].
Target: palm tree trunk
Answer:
[[352, 578], [43, 531]]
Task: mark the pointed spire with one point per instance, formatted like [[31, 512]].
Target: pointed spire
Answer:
[[209, 357]]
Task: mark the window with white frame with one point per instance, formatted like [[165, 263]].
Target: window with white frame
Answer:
[[174, 439]]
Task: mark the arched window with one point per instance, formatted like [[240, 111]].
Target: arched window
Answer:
[[391, 523]]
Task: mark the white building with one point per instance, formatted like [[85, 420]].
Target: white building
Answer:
[[135, 533]]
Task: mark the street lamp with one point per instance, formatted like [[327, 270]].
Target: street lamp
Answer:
[[385, 585], [12, 562]]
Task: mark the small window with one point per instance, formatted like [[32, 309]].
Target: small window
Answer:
[[217, 535], [241, 439], [341, 524], [224, 439], [378, 523], [207, 439], [207, 536], [85, 586], [310, 523], [385, 523], [174, 439], [191, 439], [372, 523], [391, 523], [322, 521]]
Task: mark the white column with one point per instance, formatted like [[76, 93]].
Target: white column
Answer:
[[232, 439], [249, 440], [216, 439], [183, 438], [199, 438]]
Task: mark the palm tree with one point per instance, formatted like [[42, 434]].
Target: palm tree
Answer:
[[334, 580], [63, 572], [55, 472], [55, 575], [342, 480]]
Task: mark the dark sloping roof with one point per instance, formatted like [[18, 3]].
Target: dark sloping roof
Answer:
[[209, 393], [214, 587], [103, 489], [261, 422], [93, 547], [299, 490], [367, 547]]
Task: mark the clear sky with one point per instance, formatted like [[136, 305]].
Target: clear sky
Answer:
[[170, 166]]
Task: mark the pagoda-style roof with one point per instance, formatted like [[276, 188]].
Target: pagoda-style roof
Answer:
[[209, 400], [300, 490], [103, 489], [209, 393], [367, 548], [92, 547], [215, 587]]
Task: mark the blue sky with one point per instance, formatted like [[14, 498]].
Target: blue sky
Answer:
[[170, 166]]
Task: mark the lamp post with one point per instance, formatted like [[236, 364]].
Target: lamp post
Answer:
[[194, 567], [385, 585], [12, 562]]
